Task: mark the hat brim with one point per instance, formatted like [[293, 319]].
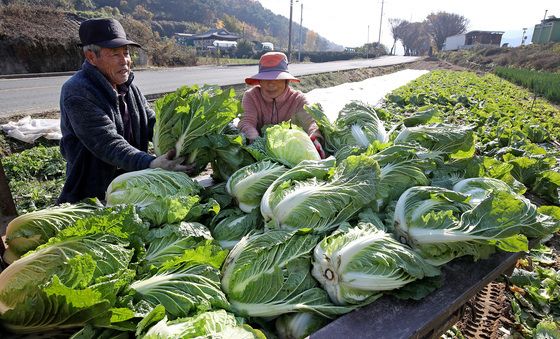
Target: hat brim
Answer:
[[272, 75], [114, 43]]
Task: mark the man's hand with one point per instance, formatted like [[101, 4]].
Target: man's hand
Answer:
[[318, 146], [167, 162]]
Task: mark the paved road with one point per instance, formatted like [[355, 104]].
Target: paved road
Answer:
[[41, 94]]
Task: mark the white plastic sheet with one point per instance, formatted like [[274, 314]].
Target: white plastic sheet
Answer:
[[371, 91], [28, 129]]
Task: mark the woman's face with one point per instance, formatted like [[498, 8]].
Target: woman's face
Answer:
[[273, 88]]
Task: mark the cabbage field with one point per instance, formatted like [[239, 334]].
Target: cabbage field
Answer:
[[454, 164]]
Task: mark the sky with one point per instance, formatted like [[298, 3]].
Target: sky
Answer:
[[353, 23]]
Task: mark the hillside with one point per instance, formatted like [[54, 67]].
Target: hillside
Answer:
[[30, 42], [535, 57]]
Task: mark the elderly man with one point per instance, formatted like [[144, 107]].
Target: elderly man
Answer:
[[106, 122]]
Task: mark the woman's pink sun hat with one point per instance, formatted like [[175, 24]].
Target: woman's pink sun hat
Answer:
[[272, 66]]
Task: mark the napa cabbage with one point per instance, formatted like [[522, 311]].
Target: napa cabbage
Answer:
[[442, 224], [269, 274], [289, 144], [224, 152], [190, 113], [183, 288], [452, 141], [32, 229], [305, 170], [479, 188], [161, 196], [65, 283], [354, 265], [357, 125], [401, 168], [249, 183], [321, 203], [211, 324]]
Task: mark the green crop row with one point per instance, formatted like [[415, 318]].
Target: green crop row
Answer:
[[541, 83], [511, 126], [501, 112]]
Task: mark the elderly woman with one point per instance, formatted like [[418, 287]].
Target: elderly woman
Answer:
[[271, 100]]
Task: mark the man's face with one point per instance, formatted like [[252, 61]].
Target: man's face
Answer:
[[114, 63]]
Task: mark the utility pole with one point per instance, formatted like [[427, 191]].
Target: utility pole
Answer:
[[300, 30], [380, 22], [290, 31], [367, 43]]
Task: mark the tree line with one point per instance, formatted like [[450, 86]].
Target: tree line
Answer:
[[420, 38]]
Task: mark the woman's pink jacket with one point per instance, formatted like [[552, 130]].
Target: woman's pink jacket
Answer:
[[260, 110]]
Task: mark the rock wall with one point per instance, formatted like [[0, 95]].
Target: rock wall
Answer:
[[24, 56]]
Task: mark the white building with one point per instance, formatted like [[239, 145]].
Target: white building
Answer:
[[472, 39]]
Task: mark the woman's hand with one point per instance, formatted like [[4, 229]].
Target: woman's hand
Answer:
[[318, 146]]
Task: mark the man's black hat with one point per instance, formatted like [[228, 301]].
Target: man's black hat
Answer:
[[106, 32]]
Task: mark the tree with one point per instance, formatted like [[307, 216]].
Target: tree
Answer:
[[442, 25], [245, 49], [311, 41], [232, 24], [219, 24], [397, 26], [142, 14], [415, 38]]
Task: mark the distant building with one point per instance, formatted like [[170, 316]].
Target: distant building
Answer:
[[472, 39], [263, 46], [267, 46], [547, 31], [224, 44], [206, 39]]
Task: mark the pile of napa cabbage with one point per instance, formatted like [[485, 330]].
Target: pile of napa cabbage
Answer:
[[284, 244]]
